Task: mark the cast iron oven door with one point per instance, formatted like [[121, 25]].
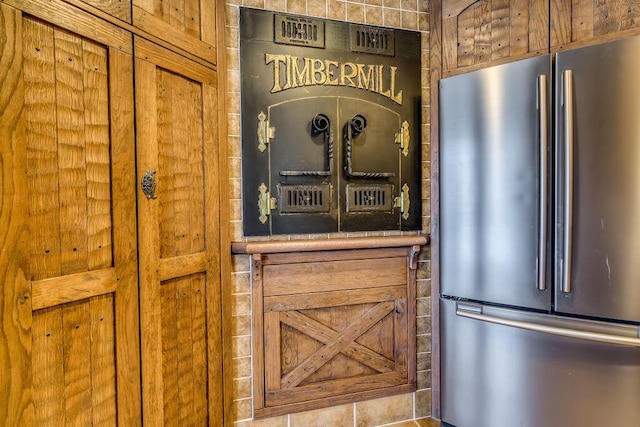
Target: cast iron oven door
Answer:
[[330, 126]]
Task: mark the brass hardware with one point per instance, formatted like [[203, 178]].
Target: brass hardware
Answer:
[[149, 184], [403, 138], [403, 202], [265, 132], [265, 203]]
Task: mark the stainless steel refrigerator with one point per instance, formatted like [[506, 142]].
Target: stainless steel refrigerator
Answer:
[[540, 241]]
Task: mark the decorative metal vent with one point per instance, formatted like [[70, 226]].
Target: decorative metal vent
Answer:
[[372, 40], [369, 198], [305, 198], [300, 31]]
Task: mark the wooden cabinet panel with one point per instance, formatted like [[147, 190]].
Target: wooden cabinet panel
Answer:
[[179, 239], [587, 22], [332, 327], [478, 33], [187, 24], [73, 142], [120, 9]]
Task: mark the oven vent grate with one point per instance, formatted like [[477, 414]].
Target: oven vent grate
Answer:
[[300, 31], [369, 198], [372, 40], [305, 198]]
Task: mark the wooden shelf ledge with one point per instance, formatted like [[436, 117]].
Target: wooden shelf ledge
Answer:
[[281, 246]]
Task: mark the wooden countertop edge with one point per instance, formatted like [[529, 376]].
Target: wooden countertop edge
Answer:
[[329, 244]]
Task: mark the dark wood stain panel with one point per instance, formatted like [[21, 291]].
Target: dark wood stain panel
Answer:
[[477, 34]]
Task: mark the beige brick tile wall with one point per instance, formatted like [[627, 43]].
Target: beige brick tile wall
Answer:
[[406, 14]]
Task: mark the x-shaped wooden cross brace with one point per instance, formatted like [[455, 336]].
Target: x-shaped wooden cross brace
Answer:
[[336, 342]]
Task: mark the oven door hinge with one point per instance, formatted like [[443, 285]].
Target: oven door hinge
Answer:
[[403, 138], [266, 203], [403, 202], [265, 132]]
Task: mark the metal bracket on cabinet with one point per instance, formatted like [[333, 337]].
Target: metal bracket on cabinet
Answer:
[[265, 132], [403, 138], [266, 203], [403, 202]]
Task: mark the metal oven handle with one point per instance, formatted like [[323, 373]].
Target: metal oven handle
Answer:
[[354, 127], [320, 124]]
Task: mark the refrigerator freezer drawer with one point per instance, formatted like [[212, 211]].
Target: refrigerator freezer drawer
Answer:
[[495, 375]]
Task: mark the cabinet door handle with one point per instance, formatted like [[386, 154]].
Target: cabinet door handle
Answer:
[[148, 184]]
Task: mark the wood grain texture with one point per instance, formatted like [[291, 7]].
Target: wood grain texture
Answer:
[[476, 34], [339, 336], [452, 8], [340, 275], [72, 181], [172, 27], [560, 25], [322, 256], [180, 267], [335, 298], [538, 25], [77, 21], [76, 360], [258, 324], [581, 20], [500, 29], [74, 169], [119, 9], [435, 61], [482, 32], [466, 37], [578, 23], [97, 156], [329, 401], [104, 16], [519, 27], [16, 399], [47, 360], [123, 189], [103, 360], [72, 287], [42, 151], [214, 287], [149, 248], [219, 129], [322, 245]]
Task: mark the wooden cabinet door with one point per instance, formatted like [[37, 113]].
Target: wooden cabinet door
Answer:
[[477, 33], [188, 24], [69, 233], [332, 327], [176, 105], [588, 22]]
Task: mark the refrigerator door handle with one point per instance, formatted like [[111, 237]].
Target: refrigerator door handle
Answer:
[[476, 312], [542, 223], [568, 179]]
